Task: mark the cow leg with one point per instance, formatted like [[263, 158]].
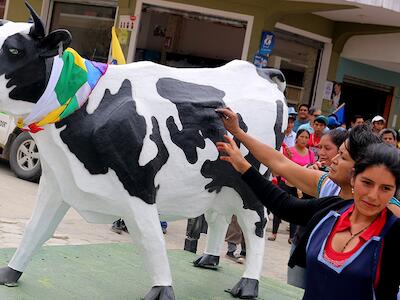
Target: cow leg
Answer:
[[247, 287], [217, 226], [48, 213], [144, 227]]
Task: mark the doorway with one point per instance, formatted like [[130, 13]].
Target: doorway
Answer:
[[365, 98], [298, 57], [180, 35], [2, 8]]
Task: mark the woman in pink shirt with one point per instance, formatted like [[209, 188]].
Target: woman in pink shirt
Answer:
[[300, 153]]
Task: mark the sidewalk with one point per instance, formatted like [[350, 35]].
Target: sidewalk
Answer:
[[117, 271]]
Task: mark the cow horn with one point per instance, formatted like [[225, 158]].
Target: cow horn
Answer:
[[37, 30]]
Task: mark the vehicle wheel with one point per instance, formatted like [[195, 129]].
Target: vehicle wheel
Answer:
[[24, 158]]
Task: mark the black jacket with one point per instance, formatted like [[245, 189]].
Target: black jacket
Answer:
[[308, 213]]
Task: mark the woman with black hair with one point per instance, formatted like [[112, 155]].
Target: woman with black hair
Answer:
[[350, 247], [329, 148]]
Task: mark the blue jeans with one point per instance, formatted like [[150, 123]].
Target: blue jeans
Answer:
[[296, 276]]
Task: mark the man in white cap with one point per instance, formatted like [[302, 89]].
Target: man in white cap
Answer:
[[378, 123]]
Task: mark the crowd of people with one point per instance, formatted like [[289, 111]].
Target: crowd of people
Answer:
[[313, 140], [346, 244]]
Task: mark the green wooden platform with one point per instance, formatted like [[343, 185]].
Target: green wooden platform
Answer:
[[116, 271]]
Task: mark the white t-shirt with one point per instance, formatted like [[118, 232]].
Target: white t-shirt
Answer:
[[329, 188], [290, 139]]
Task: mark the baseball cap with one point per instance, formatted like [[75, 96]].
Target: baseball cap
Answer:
[[322, 119], [291, 111], [333, 122], [378, 118]]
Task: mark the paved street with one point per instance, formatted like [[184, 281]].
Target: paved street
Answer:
[[17, 201]]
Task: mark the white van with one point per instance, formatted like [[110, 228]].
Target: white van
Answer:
[[19, 149]]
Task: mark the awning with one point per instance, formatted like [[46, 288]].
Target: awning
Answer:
[[379, 50], [378, 12], [387, 4]]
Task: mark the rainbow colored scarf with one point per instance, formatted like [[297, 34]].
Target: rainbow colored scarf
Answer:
[[71, 82]]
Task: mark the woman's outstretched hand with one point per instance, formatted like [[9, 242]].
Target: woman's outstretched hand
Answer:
[[230, 119], [231, 153]]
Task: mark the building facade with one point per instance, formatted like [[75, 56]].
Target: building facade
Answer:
[[316, 43]]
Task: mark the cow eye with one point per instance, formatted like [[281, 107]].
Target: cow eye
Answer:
[[14, 51]]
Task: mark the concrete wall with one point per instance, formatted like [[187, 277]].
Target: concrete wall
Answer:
[[18, 12], [366, 72], [266, 14]]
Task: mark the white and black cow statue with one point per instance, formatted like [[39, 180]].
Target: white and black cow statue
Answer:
[[136, 141]]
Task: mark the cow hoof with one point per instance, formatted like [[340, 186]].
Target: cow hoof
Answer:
[[9, 277], [207, 261], [246, 288], [160, 293]]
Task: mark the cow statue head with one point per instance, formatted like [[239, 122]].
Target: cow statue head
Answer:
[[26, 56]]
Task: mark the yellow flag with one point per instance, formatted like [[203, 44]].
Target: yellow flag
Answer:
[[116, 51]]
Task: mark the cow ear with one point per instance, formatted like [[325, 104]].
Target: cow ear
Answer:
[[50, 44]]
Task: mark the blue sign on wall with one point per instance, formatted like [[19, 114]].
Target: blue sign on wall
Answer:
[[267, 42], [260, 61]]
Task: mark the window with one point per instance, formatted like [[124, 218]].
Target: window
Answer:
[[181, 38], [90, 26]]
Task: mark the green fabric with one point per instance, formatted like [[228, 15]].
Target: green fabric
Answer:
[[71, 79], [70, 108]]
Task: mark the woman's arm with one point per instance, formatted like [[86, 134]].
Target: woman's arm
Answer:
[[303, 178], [394, 209], [279, 202]]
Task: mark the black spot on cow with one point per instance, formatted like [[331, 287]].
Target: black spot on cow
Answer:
[[112, 137], [279, 131], [196, 109], [271, 74], [222, 174], [274, 76], [196, 106]]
